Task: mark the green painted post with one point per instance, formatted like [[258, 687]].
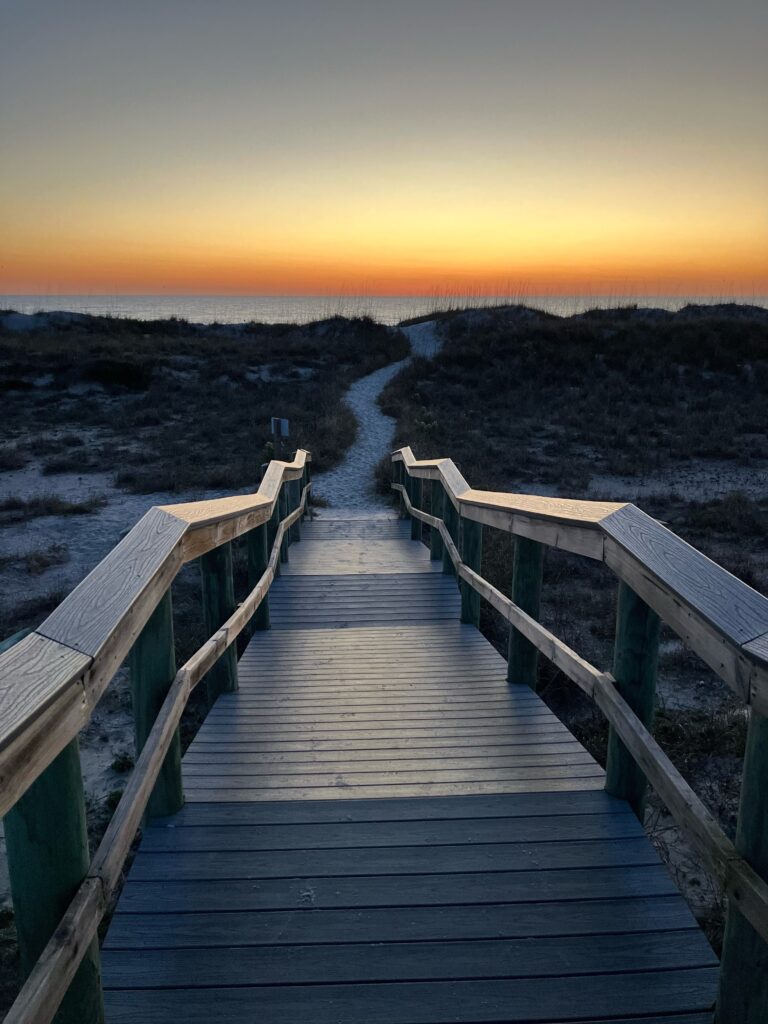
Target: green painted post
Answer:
[[152, 664], [272, 525], [635, 656], [451, 520], [398, 475], [218, 605], [743, 995], [258, 557], [294, 500], [527, 566], [409, 485], [47, 847], [416, 496], [435, 540], [471, 548], [283, 506], [304, 483]]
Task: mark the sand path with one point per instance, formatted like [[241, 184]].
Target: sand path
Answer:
[[349, 488]]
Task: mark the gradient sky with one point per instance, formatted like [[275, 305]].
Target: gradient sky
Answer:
[[382, 146]]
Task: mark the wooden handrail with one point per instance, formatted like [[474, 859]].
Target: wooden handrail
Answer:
[[51, 681], [744, 887], [722, 619], [661, 578], [51, 976]]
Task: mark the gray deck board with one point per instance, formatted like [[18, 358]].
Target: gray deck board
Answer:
[[402, 960], [400, 833], [563, 999], [387, 924], [310, 892], [380, 829]]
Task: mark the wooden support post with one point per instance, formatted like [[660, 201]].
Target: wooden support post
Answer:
[[294, 500], [305, 483], [415, 494], [218, 605], [47, 846], [282, 502], [451, 520], [436, 507], [272, 524], [398, 475], [152, 668], [407, 484], [527, 566], [743, 995], [258, 556], [635, 656], [471, 548]]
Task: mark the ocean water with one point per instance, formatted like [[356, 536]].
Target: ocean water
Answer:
[[387, 309]]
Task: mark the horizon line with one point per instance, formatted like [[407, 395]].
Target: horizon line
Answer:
[[435, 294]]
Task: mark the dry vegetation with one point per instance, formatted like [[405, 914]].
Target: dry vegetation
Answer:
[[168, 407], [173, 406], [666, 410]]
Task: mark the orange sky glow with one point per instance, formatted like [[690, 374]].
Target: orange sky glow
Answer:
[[502, 149]]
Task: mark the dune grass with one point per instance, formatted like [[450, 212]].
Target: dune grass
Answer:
[[172, 406]]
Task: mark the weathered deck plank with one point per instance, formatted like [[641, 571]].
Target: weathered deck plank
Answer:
[[379, 828]]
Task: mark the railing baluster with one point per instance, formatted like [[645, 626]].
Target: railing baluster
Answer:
[[305, 480], [527, 567], [294, 500], [47, 848], [743, 995], [635, 657], [152, 669], [282, 504], [471, 549], [437, 499], [415, 494], [400, 477], [272, 524], [258, 557], [451, 520], [218, 605]]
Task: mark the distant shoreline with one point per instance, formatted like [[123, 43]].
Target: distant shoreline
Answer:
[[209, 311]]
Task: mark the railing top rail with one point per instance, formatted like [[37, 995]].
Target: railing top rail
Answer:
[[744, 886], [587, 514], [221, 510], [51, 680], [717, 615]]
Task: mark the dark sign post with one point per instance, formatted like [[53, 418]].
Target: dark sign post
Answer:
[[279, 428]]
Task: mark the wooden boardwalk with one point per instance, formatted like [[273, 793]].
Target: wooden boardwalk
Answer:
[[380, 830]]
